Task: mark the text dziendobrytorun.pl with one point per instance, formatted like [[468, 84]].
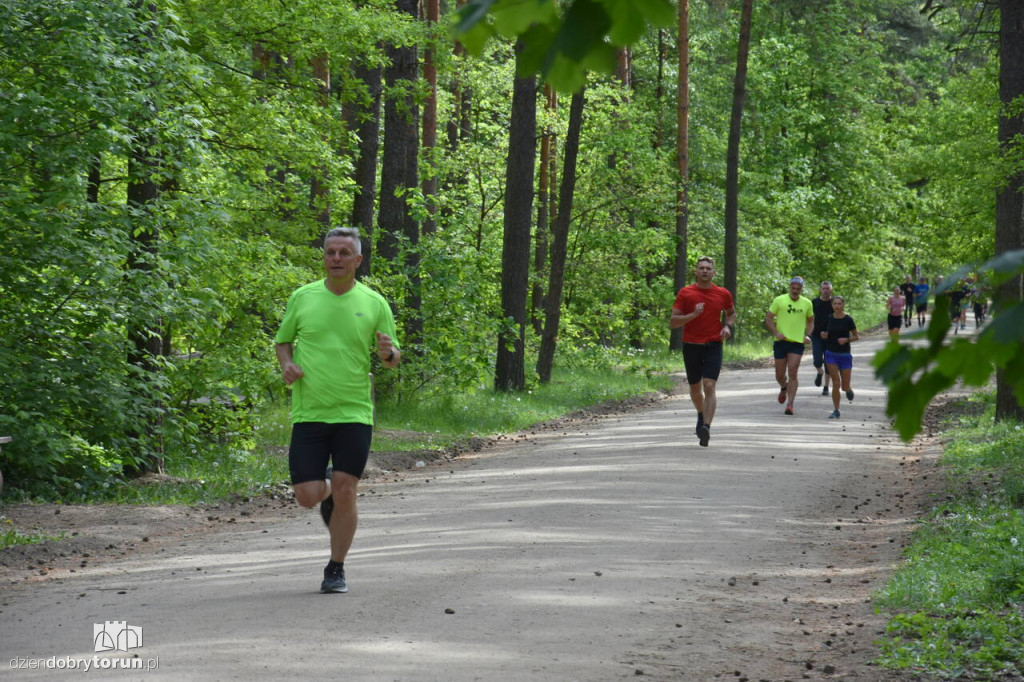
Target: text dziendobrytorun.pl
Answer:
[[85, 664]]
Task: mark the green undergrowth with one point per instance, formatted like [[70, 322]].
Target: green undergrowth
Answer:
[[11, 536], [956, 605], [257, 463]]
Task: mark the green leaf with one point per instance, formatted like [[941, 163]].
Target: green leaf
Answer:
[[889, 362], [602, 58], [659, 12], [513, 17], [1005, 265], [584, 28], [1006, 327], [954, 359], [471, 15], [566, 75], [475, 38], [627, 24], [909, 406], [536, 50], [940, 323]]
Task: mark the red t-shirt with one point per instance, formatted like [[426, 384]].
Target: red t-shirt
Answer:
[[707, 326]]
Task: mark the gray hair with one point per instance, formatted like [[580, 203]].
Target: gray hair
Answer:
[[349, 232]]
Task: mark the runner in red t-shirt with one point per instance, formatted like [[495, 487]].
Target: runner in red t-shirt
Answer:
[[698, 310]]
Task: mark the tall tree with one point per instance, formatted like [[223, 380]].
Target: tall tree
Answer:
[[459, 122], [732, 158], [682, 212], [401, 142], [147, 330], [544, 210], [400, 175], [319, 202], [459, 125], [363, 117], [1010, 198], [432, 10], [510, 365], [560, 242]]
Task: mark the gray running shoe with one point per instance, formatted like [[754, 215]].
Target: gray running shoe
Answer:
[[834, 415], [334, 580], [824, 391]]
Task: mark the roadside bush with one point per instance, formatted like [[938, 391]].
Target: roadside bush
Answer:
[[958, 600]]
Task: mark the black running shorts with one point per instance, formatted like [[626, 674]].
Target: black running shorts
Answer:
[[316, 444], [702, 361]]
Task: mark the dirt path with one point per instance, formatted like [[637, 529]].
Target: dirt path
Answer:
[[607, 548]]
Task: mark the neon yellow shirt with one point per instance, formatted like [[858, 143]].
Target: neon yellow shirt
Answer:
[[333, 338], [791, 316]]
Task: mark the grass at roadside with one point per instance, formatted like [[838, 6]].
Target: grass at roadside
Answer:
[[10, 536], [956, 606], [258, 462]]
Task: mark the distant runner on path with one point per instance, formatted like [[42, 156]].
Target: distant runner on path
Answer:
[[895, 305], [790, 319], [822, 310], [909, 291], [699, 310], [840, 332], [921, 300]]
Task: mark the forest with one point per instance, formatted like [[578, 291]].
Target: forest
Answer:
[[168, 169]]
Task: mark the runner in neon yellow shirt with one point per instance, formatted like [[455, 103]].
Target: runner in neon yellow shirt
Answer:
[[790, 319], [323, 346]]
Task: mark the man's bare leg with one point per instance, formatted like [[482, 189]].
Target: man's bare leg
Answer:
[[710, 400], [697, 398], [345, 517], [792, 366]]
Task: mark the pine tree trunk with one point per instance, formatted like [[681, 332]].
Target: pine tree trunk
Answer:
[[560, 241], [682, 162], [540, 246], [319, 202], [429, 184], [510, 370], [401, 142], [1010, 199], [732, 157], [148, 339], [364, 118]]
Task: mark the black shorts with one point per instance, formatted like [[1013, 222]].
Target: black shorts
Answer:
[[783, 348], [895, 321], [316, 444], [702, 361], [922, 307]]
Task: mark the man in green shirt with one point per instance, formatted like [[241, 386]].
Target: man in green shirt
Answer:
[[329, 329], [790, 319]]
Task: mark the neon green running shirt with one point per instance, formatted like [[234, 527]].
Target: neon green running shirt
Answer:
[[333, 337], [791, 316]]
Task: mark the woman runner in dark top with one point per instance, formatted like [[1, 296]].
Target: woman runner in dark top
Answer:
[[840, 332]]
